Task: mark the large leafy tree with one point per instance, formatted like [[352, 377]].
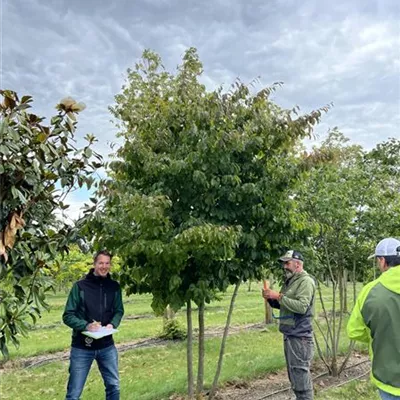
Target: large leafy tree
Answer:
[[353, 202], [39, 166], [198, 195]]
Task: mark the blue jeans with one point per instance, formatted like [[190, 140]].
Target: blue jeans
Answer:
[[388, 396], [80, 363]]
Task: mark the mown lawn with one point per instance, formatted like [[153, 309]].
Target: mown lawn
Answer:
[[51, 335], [154, 373], [356, 390]]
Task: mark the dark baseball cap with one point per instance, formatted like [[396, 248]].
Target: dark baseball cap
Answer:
[[292, 255]]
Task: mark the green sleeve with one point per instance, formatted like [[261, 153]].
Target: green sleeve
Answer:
[[118, 309], [302, 298], [356, 328], [70, 315]]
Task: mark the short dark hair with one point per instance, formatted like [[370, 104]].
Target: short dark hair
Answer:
[[392, 261], [102, 253]]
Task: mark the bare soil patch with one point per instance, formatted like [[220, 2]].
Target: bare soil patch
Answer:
[[276, 386]]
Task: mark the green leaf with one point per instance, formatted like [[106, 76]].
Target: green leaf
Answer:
[[88, 152], [15, 192], [41, 137], [26, 99]]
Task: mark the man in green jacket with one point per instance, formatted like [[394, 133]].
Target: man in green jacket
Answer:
[[375, 320], [94, 302], [295, 302]]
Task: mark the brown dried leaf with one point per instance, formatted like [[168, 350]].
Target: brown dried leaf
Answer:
[[10, 232], [9, 103], [9, 237], [16, 221]]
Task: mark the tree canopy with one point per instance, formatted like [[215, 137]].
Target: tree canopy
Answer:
[[198, 194]]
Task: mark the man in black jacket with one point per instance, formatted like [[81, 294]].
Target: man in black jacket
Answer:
[[94, 302]]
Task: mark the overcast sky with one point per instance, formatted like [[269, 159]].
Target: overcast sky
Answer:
[[345, 52]]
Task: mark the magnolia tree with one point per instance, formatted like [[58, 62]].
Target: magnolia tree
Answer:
[[198, 194], [39, 166]]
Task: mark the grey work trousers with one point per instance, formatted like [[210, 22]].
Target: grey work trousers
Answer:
[[299, 353]]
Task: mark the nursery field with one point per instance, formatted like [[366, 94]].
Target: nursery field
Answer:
[[157, 370]]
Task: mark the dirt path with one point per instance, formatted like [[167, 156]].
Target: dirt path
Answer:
[[275, 386]]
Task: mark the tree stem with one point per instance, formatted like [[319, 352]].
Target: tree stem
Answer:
[[189, 353], [223, 343]]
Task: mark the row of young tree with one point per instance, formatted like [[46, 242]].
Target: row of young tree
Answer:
[[210, 186], [206, 190], [352, 202]]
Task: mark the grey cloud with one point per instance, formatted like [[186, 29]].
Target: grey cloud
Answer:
[[342, 52]]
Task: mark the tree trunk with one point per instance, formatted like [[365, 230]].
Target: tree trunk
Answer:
[[341, 290], [334, 367], [268, 308], [268, 313], [341, 314], [200, 369], [249, 286], [345, 278], [354, 283], [168, 315], [349, 352], [189, 353], [224, 337], [321, 356]]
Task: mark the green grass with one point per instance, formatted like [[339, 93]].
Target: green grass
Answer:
[[355, 390], [59, 338], [155, 373], [52, 335], [134, 305]]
